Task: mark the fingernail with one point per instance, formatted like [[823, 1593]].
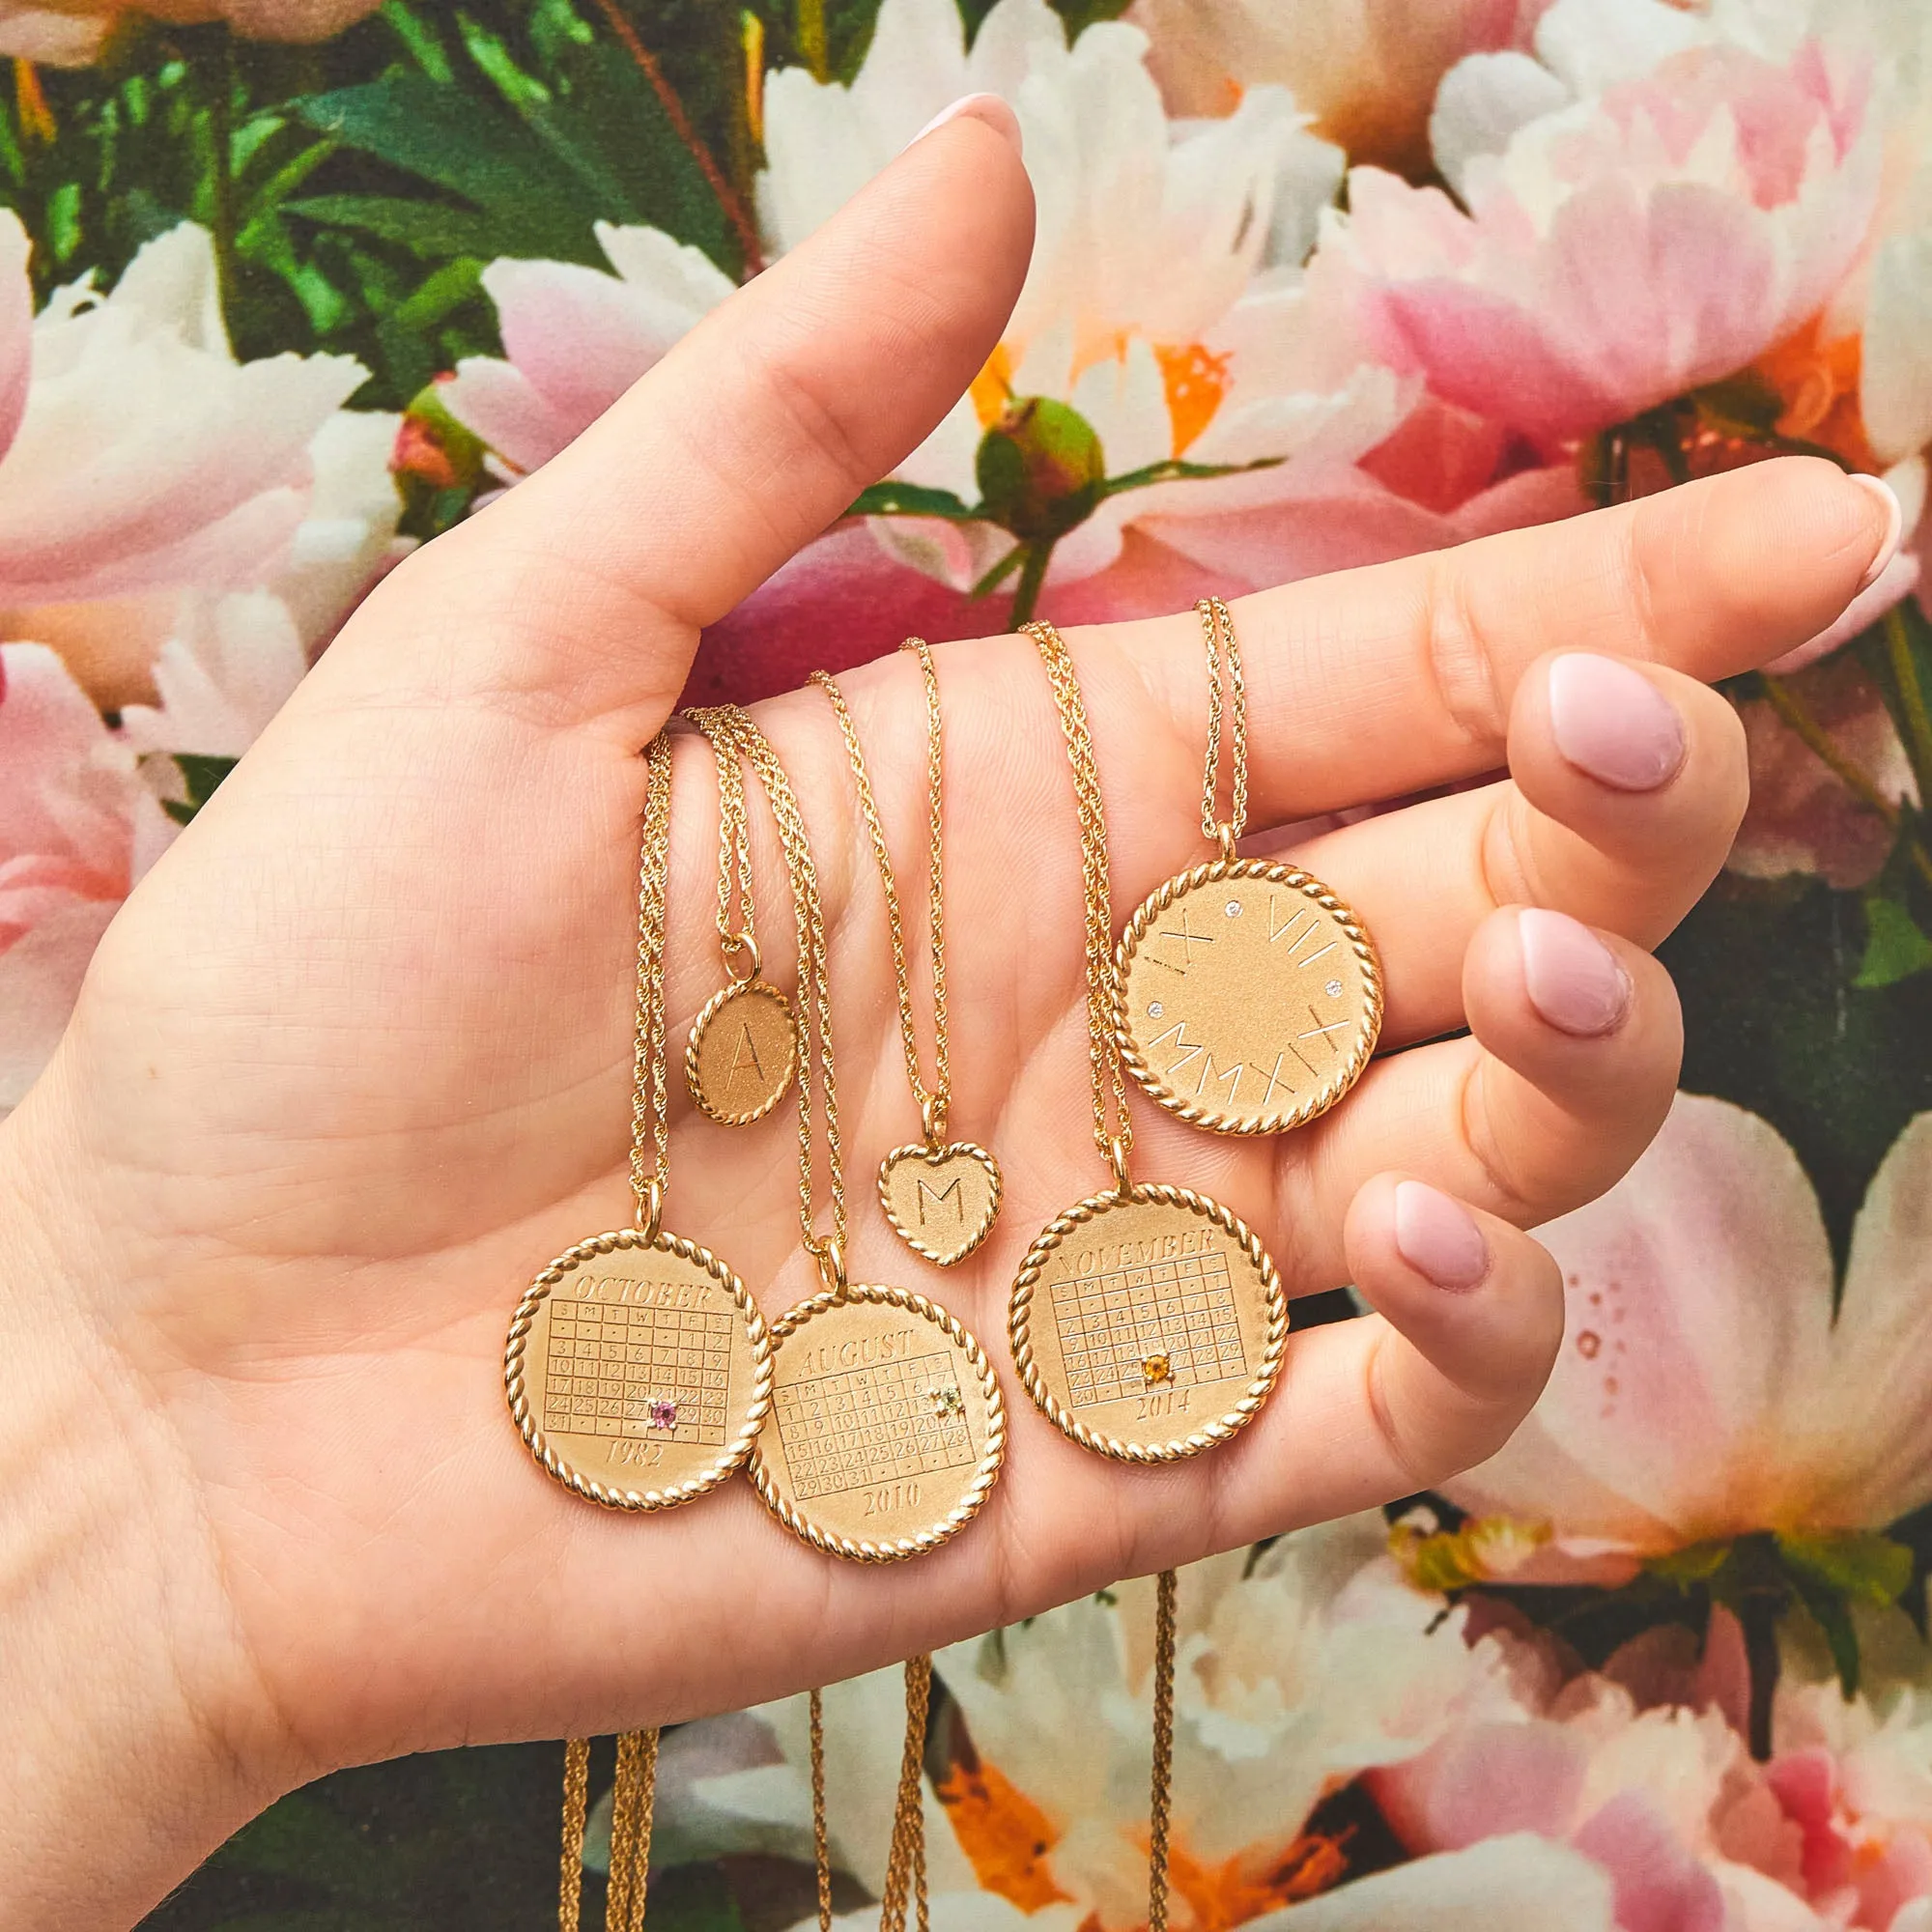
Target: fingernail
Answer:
[[1613, 722], [1572, 978], [1439, 1238], [986, 107], [1893, 512]]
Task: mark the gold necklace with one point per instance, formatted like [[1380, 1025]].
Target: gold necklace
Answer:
[[1146, 1322], [740, 1058], [637, 1367], [1247, 997], [940, 1196], [887, 1426]]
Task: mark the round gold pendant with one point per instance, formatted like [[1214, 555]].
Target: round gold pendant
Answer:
[[639, 1369], [888, 1430], [942, 1201], [739, 1063], [1148, 1326], [1247, 997]]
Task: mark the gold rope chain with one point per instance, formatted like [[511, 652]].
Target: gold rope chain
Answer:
[[737, 933], [1217, 630], [633, 1803], [1113, 1125], [730, 725], [650, 1105], [934, 1102]]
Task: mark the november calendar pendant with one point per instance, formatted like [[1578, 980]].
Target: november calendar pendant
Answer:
[[1247, 998], [887, 1430], [639, 1369], [1149, 1324]]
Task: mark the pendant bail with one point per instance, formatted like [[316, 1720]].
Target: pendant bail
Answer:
[[1224, 837], [932, 1120], [649, 1211], [737, 947], [1116, 1155], [830, 1255]]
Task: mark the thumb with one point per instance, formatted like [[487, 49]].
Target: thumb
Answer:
[[587, 585]]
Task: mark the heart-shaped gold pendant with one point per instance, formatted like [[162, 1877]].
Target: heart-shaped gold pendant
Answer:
[[942, 1201]]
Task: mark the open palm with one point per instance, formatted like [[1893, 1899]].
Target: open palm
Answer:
[[353, 1062]]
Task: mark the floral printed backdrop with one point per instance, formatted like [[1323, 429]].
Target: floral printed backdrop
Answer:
[[286, 285]]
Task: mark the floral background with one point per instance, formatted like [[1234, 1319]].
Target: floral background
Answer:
[[286, 286]]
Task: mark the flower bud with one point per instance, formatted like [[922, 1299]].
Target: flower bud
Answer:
[[1040, 468]]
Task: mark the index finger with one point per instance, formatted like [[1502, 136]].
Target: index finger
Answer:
[[1369, 684]]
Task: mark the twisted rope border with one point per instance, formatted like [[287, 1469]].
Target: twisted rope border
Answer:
[[760, 989], [918, 1150], [861, 1550], [1361, 944], [1019, 1325], [550, 1460]]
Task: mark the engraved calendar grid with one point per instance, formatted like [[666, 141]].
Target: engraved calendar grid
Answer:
[[606, 1364], [875, 1424], [1109, 1323]]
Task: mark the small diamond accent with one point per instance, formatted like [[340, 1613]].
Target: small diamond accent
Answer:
[[1233, 908], [1156, 1370], [1333, 989], [1153, 1009], [661, 1412]]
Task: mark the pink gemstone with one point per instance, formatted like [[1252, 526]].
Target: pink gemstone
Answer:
[[661, 1412]]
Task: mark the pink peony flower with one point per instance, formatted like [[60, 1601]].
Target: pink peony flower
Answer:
[[138, 459], [77, 828], [1625, 247], [1705, 1389]]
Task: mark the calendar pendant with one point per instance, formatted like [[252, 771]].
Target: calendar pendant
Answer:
[[1247, 997], [888, 1430], [639, 1369], [1148, 1324], [742, 1053]]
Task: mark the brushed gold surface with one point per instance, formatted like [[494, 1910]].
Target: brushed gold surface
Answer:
[[1150, 1325], [943, 1200], [742, 1054], [1247, 998], [888, 1429], [639, 1369]]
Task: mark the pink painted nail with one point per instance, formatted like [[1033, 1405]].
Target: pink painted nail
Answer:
[[1439, 1238], [1894, 526], [1572, 978], [986, 107], [1613, 722]]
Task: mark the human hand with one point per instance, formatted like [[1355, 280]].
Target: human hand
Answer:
[[354, 1062]]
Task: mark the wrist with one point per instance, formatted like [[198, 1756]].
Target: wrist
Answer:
[[136, 1737]]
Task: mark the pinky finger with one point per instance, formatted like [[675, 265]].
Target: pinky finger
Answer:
[[1474, 1308]]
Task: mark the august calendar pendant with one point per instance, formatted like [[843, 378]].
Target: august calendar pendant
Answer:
[[887, 1429], [639, 1369], [1149, 1324], [1247, 997]]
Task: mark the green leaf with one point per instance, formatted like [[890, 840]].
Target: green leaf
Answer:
[[201, 772], [1857, 1564], [1894, 946], [1832, 1615], [911, 499], [431, 228], [1695, 1563], [1743, 405]]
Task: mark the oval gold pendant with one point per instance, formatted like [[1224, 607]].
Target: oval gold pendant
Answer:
[[1148, 1326], [888, 1430], [942, 1201], [741, 1055], [1247, 997], [639, 1369]]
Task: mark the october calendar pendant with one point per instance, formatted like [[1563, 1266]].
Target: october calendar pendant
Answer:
[[639, 1369], [1149, 1324], [887, 1429], [1247, 997]]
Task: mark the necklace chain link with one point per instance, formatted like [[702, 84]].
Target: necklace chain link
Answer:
[[650, 1104], [1217, 632], [934, 1102]]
